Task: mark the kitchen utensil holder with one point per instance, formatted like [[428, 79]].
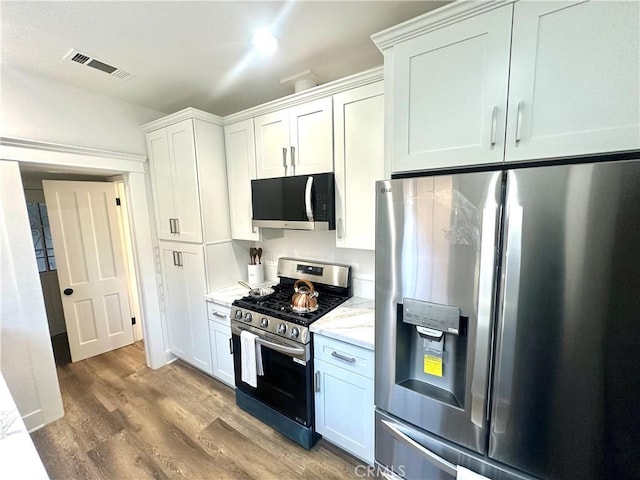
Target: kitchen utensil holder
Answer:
[[255, 274]]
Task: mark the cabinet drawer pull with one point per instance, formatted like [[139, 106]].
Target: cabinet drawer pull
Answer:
[[218, 314], [339, 228], [316, 382], [171, 227], [343, 357], [177, 225], [519, 123], [231, 346], [494, 125]]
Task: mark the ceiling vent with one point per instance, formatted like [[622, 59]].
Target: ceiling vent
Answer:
[[89, 61]]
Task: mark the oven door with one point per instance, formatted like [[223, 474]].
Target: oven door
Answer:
[[286, 385]]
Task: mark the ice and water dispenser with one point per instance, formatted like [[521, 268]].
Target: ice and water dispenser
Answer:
[[431, 350]]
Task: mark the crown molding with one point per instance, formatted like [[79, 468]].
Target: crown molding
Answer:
[[71, 149], [315, 93], [184, 114], [433, 20]]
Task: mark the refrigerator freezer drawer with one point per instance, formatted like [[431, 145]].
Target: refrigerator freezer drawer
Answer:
[[414, 454]]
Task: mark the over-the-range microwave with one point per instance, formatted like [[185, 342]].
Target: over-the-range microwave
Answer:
[[301, 202]]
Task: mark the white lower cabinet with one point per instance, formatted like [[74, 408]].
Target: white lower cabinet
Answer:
[[220, 338], [184, 286], [344, 396]]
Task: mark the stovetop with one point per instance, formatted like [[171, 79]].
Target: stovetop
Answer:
[[278, 305]]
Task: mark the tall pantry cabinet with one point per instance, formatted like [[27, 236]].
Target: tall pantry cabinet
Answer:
[[188, 180]]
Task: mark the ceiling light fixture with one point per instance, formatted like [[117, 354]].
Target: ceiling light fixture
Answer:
[[264, 41]]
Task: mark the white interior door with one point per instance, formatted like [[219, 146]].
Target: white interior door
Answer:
[[90, 260]]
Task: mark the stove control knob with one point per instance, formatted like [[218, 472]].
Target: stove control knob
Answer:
[[247, 317], [282, 328], [294, 332], [238, 314], [264, 323]]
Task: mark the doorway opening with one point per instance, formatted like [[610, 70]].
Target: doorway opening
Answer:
[[47, 259]]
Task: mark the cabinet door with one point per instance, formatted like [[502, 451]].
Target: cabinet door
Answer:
[[450, 94], [359, 142], [176, 300], [161, 169], [241, 169], [185, 182], [344, 409], [186, 313], [311, 138], [221, 355], [272, 144], [574, 79]]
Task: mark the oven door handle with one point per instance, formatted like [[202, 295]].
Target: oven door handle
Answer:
[[280, 348], [274, 346]]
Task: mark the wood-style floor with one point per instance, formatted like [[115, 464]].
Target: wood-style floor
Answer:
[[125, 421]]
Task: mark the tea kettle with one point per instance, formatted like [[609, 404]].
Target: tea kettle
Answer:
[[306, 298]]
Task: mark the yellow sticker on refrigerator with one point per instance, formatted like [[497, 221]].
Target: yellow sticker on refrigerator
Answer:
[[433, 365]]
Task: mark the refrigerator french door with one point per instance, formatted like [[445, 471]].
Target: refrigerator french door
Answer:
[[507, 308]]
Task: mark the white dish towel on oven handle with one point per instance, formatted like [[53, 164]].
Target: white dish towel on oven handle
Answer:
[[251, 358]]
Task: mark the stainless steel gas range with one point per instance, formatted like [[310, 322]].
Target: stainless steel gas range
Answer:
[[283, 396]]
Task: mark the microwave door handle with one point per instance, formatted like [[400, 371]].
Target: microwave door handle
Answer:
[[427, 454], [307, 198]]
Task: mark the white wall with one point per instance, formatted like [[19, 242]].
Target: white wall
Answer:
[[37, 108], [318, 246], [26, 356]]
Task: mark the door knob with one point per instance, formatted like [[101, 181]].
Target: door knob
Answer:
[[68, 291]]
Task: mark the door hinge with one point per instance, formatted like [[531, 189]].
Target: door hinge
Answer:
[[133, 320], [117, 201]]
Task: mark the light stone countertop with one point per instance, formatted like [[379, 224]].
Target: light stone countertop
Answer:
[[18, 455], [352, 322], [226, 295]]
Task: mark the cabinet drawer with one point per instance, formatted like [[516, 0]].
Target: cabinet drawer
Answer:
[[344, 355], [218, 313]]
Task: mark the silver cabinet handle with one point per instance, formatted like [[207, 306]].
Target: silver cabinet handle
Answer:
[[494, 125], [171, 227], [177, 225], [231, 346], [218, 314], [307, 198], [507, 321], [339, 228], [317, 381], [284, 160], [519, 122], [175, 258], [485, 294], [428, 455], [180, 264], [343, 357], [293, 159]]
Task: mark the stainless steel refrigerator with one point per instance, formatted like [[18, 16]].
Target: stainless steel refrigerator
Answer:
[[508, 323]]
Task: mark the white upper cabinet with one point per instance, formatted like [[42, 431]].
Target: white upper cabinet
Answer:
[[568, 72], [295, 141], [359, 163], [575, 79], [241, 169], [175, 182], [450, 94], [187, 165]]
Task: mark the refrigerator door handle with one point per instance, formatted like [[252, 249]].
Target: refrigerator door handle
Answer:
[[427, 454], [508, 317], [485, 296]]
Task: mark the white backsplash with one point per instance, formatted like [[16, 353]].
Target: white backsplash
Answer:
[[319, 246]]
